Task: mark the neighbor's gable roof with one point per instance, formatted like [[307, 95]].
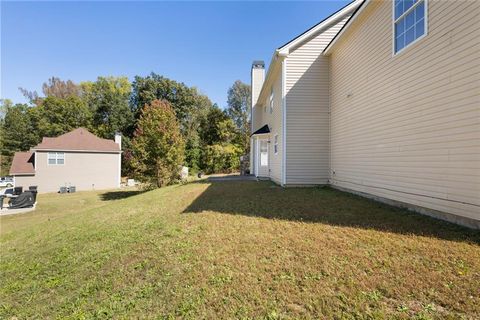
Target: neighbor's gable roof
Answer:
[[22, 163], [346, 26], [78, 140]]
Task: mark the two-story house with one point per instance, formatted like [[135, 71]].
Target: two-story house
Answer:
[[382, 99], [78, 158]]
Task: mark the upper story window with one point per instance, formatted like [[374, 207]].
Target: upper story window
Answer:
[[410, 22], [56, 158], [271, 99]]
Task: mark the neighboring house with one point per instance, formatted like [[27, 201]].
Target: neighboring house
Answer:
[[381, 99], [78, 158]]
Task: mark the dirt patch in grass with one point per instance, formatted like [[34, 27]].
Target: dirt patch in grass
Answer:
[[235, 250]]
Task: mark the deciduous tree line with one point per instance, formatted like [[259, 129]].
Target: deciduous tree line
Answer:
[[164, 123]]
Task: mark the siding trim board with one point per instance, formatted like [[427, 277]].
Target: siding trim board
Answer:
[[284, 122]]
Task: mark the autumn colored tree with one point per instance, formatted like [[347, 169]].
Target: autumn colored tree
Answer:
[[157, 146]]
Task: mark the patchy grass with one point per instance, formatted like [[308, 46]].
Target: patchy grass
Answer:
[[234, 250]]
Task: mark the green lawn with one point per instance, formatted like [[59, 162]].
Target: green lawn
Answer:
[[234, 250]]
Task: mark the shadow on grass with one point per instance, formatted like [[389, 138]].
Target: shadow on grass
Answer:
[[117, 195], [321, 205]]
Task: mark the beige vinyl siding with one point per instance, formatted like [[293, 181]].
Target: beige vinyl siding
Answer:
[[257, 117], [262, 116], [25, 181], [85, 171], [275, 124], [407, 127], [307, 121]]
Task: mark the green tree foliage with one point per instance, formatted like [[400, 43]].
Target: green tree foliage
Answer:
[[17, 132], [189, 105], [56, 116], [108, 100], [217, 127], [218, 133], [157, 146], [223, 158], [239, 105], [154, 87]]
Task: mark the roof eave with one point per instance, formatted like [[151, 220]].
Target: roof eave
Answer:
[[328, 49], [351, 7], [73, 150], [21, 173], [284, 50], [271, 70]]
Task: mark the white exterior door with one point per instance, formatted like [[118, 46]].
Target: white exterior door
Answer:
[[262, 158]]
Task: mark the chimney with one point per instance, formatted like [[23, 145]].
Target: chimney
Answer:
[[118, 139], [258, 76]]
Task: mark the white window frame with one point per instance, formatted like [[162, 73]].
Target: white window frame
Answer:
[[275, 144], [394, 21], [272, 96], [55, 157]]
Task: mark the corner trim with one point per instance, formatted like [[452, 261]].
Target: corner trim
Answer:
[[284, 122]]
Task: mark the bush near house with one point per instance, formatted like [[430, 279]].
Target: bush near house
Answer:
[[222, 158]]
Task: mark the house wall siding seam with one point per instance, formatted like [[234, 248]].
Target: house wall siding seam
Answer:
[[406, 127], [307, 114]]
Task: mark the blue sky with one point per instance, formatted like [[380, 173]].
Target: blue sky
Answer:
[[204, 44]]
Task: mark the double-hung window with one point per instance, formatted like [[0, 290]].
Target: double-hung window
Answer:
[[56, 158], [271, 100], [409, 22]]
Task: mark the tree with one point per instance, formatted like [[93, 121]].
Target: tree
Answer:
[[107, 99], [56, 116], [152, 87], [54, 87], [157, 146], [189, 105], [239, 110], [223, 158], [217, 127], [17, 132]]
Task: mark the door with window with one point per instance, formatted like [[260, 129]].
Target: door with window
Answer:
[[262, 158]]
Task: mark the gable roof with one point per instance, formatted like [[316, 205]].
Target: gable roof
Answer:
[[22, 163], [284, 50], [352, 18], [78, 140], [319, 27]]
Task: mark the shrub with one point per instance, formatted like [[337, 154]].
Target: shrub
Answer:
[[224, 158]]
